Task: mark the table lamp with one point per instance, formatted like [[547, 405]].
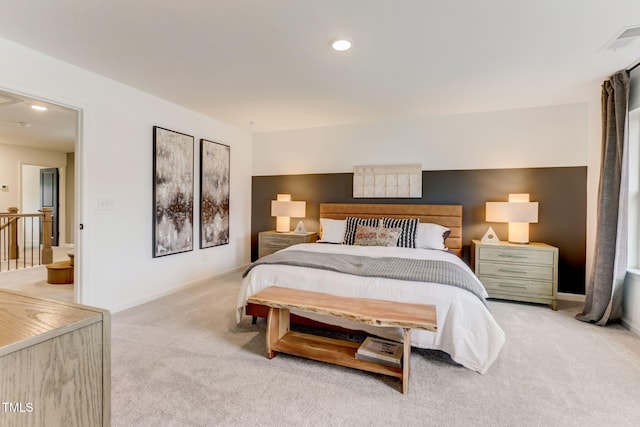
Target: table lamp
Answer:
[[519, 212], [283, 208]]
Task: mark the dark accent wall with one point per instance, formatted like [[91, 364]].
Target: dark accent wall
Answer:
[[560, 191]]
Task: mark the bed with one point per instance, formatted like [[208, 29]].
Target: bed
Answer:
[[466, 329]]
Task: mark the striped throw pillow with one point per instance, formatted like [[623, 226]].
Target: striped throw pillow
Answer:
[[409, 227], [352, 223]]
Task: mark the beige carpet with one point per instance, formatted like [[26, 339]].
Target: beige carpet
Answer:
[[182, 361], [33, 280]]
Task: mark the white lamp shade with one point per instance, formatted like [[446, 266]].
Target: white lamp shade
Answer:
[[511, 212], [290, 209]]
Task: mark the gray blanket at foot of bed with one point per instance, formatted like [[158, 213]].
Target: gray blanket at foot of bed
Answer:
[[417, 270]]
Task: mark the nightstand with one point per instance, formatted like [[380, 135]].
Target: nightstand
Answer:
[[272, 241], [517, 272]]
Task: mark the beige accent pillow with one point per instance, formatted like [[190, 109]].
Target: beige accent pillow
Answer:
[[376, 236]]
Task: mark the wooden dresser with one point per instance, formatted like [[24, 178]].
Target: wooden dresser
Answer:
[[272, 241], [55, 362], [517, 272]]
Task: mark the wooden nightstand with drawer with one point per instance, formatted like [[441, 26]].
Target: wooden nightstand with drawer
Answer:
[[272, 241], [517, 272]]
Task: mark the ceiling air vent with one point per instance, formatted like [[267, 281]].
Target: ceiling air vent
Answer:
[[623, 38]]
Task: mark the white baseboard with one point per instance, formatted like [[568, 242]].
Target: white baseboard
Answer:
[[631, 301], [570, 297], [635, 329], [178, 289]]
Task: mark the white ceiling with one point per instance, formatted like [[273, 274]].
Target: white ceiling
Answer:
[[54, 129], [268, 62]]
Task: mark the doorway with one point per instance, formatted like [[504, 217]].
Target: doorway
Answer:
[[41, 189], [44, 140], [50, 198]]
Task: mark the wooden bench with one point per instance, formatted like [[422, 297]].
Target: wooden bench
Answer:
[[339, 352]]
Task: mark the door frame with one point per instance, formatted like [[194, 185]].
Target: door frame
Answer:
[[80, 270]]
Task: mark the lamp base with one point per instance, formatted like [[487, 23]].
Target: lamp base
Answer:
[[283, 224], [519, 233]]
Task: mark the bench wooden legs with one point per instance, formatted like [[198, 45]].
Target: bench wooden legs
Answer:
[[330, 350], [277, 326], [406, 360]]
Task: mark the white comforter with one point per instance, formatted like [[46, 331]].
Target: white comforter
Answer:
[[466, 329]]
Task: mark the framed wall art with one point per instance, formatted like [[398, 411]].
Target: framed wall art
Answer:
[[172, 192], [214, 193], [393, 181]]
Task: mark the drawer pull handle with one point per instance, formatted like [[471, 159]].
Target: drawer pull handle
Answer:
[[511, 270], [512, 256], [509, 285]]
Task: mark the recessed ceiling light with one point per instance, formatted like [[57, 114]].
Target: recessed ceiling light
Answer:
[[39, 107], [341, 45]]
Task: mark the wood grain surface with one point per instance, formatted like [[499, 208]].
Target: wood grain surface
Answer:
[[26, 319], [55, 365], [281, 339], [362, 310]]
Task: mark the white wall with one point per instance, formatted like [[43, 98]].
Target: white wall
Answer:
[[115, 162], [534, 137], [12, 157]]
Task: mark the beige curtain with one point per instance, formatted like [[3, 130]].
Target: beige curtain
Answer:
[[603, 302]]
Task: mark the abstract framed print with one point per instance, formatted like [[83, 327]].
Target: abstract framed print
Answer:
[[173, 176], [214, 193]]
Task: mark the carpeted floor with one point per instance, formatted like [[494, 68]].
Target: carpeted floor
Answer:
[[182, 361], [33, 280]]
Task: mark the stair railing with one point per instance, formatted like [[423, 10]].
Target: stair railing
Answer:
[[25, 239]]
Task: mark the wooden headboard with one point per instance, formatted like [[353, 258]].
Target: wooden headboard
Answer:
[[449, 216]]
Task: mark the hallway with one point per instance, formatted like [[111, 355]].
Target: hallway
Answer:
[[33, 280]]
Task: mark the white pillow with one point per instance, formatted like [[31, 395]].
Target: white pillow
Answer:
[[332, 230], [431, 236]]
